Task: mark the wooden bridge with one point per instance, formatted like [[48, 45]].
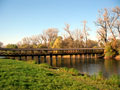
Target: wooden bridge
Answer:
[[83, 52]]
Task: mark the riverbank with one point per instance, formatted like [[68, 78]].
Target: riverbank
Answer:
[[117, 57], [110, 57], [27, 75]]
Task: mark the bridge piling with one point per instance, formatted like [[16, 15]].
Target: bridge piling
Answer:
[[20, 58], [76, 57], [39, 59], [32, 57], [26, 58], [45, 58], [51, 60], [70, 57], [56, 60]]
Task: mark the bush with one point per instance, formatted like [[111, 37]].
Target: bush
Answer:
[[119, 51], [109, 51]]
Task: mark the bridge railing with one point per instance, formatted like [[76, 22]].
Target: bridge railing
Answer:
[[44, 51]]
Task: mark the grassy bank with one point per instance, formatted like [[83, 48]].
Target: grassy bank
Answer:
[[19, 75]]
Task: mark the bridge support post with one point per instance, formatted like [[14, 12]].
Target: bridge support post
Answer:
[[51, 60], [32, 57], [38, 59], [62, 60], [61, 57], [75, 57], [25, 57], [70, 60], [45, 59], [20, 58], [56, 60], [70, 57]]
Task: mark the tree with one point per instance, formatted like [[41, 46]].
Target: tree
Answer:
[[85, 33], [51, 35], [108, 21], [78, 38], [11, 46], [67, 29], [1, 44], [58, 42], [92, 43], [102, 39], [102, 24]]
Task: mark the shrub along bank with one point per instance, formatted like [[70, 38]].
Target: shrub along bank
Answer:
[[111, 51]]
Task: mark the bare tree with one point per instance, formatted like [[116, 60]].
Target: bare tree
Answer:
[[108, 21], [52, 34], [117, 27], [69, 40], [1, 44], [78, 37], [85, 32], [67, 29], [101, 35], [102, 24]]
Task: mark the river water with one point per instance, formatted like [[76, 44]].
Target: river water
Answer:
[[89, 66]]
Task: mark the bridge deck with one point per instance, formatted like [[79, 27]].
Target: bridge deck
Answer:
[[46, 51]]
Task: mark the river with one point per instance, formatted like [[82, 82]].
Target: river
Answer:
[[89, 66]]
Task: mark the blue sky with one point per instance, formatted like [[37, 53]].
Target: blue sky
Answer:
[[22, 18]]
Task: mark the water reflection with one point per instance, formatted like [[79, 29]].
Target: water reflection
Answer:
[[89, 66]]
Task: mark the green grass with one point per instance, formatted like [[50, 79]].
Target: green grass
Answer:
[[19, 75]]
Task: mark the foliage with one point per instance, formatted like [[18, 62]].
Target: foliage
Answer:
[[119, 51], [57, 43], [11, 46], [109, 51], [19, 75]]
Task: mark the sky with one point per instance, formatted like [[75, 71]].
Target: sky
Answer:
[[24, 18]]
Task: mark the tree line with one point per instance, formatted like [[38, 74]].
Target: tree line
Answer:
[[108, 31]]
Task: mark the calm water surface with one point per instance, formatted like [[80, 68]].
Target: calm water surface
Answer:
[[89, 66]]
